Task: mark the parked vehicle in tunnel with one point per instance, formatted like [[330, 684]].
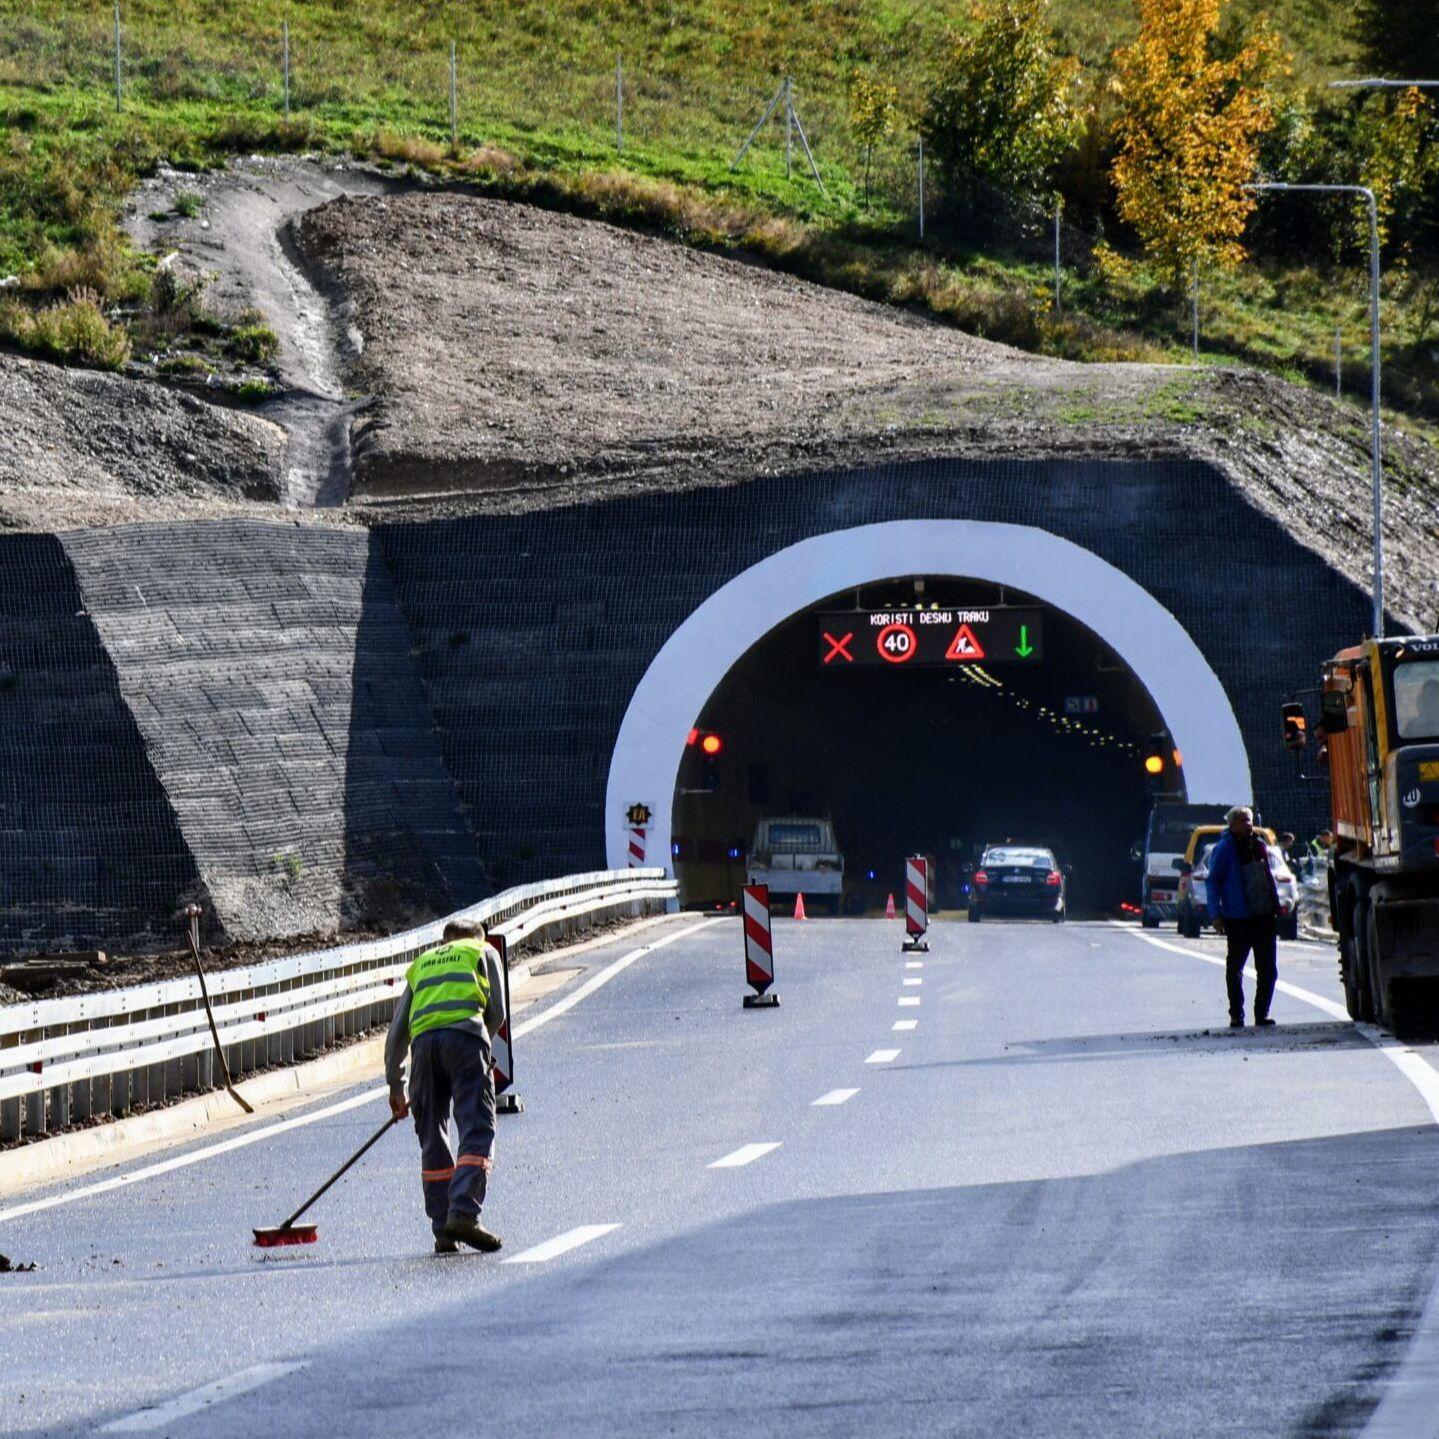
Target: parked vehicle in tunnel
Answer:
[[1193, 892], [1379, 717], [1017, 879], [1171, 825], [796, 855]]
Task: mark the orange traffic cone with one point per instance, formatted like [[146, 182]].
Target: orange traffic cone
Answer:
[[889, 907], [799, 907]]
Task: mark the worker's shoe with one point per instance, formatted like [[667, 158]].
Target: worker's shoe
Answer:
[[445, 1245], [1265, 1023], [1236, 1021], [466, 1229]]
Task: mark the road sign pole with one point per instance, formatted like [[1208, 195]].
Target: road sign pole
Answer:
[[758, 948]]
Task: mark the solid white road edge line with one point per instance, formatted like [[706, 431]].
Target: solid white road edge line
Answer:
[[835, 1096], [745, 1154], [561, 1244], [183, 1405], [883, 1056], [368, 1096], [1409, 1406], [900, 1026]]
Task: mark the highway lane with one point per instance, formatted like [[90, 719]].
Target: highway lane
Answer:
[[1061, 1207]]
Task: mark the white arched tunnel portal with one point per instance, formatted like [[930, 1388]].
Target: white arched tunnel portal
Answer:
[[698, 655]]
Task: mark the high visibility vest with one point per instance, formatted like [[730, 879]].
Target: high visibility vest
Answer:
[[447, 985]]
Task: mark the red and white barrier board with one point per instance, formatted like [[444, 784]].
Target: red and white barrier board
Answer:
[[916, 899], [637, 823], [502, 1054], [758, 947]]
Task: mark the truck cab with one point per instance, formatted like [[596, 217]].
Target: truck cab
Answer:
[[1379, 740], [794, 855]]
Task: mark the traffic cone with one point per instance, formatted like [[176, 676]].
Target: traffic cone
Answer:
[[799, 907], [889, 907]]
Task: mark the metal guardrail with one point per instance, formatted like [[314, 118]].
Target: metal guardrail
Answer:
[[72, 1060]]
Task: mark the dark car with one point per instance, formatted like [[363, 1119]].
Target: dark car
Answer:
[[1017, 879]]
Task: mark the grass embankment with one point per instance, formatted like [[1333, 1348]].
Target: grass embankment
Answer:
[[536, 121]]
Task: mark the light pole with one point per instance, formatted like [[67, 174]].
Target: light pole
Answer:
[[1376, 463]]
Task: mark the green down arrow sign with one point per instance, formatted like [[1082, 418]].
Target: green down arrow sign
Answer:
[[1024, 649]]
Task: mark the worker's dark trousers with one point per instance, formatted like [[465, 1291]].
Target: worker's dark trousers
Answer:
[[452, 1067], [1261, 936]]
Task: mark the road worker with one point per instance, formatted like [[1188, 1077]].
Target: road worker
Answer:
[[1244, 903], [452, 1003]]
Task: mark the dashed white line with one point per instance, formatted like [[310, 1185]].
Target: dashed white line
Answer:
[[745, 1154], [183, 1405], [914, 981], [562, 1244], [901, 1025], [914, 964], [835, 1096], [909, 1001], [883, 1056]]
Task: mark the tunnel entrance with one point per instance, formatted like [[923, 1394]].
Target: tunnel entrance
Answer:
[[936, 752]]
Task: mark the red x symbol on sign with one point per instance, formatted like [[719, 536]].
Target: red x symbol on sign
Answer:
[[838, 647]]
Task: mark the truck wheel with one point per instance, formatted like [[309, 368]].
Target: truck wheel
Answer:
[[1353, 976], [1149, 921]]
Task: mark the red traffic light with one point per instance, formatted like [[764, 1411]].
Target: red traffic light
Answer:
[[711, 744]]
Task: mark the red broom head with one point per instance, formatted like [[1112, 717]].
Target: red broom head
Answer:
[[291, 1234]]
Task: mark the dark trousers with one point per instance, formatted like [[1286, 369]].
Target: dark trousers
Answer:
[[1260, 936], [451, 1068]]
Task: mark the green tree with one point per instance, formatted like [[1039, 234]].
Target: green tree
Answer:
[[873, 115], [1193, 114], [1002, 108], [1400, 38]]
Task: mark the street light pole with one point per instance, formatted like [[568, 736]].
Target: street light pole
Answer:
[[1377, 476]]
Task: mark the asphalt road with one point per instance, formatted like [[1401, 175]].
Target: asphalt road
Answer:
[[1067, 1201]]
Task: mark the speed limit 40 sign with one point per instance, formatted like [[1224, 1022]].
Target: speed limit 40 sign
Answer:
[[899, 638]]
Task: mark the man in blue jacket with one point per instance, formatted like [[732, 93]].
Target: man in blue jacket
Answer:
[[1244, 903]]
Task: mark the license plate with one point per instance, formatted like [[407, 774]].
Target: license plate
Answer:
[[1016, 879]]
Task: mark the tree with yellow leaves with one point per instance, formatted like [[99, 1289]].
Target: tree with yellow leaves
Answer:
[[1189, 129]]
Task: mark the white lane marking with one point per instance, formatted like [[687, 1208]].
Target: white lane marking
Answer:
[[913, 981], [914, 964], [561, 1244], [1411, 1398], [883, 1056], [835, 1096], [901, 1025], [183, 1405], [368, 1096], [909, 1001], [745, 1154]]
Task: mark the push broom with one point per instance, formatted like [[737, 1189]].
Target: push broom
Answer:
[[291, 1233]]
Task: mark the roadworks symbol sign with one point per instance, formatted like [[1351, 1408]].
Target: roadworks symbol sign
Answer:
[[964, 646]]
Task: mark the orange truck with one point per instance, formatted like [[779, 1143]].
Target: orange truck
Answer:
[[1379, 740]]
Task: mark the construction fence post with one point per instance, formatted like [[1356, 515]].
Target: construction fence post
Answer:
[[118, 101], [454, 100]]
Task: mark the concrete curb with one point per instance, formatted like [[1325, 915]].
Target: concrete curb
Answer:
[[272, 1093]]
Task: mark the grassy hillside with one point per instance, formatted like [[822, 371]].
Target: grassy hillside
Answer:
[[536, 118]]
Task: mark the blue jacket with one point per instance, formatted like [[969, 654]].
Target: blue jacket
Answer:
[[1225, 882]]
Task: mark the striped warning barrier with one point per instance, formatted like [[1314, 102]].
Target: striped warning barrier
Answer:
[[758, 948], [916, 902]]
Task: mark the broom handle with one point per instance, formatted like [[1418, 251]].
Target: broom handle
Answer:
[[364, 1149], [193, 932]]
